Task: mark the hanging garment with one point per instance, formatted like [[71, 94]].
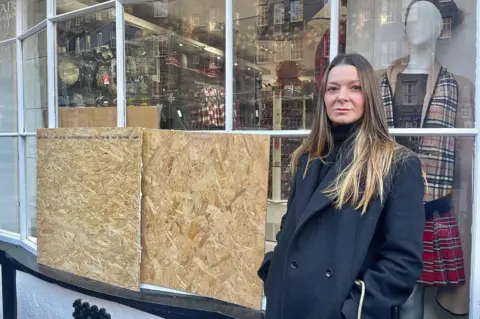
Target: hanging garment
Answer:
[[443, 256]]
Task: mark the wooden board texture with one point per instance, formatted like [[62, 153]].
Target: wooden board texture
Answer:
[[141, 116], [204, 199], [88, 202]]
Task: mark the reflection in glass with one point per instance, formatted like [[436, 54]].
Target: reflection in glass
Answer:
[[35, 98], [399, 44], [86, 48], [31, 186], [8, 12], [8, 89], [35, 12], [282, 50], [9, 185], [175, 65], [449, 201], [64, 6]]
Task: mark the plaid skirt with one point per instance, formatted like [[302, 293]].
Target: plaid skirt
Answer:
[[442, 252]]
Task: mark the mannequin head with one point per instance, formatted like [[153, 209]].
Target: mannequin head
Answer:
[[423, 19], [425, 26]]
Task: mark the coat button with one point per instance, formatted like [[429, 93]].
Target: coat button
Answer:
[[294, 264], [329, 273]]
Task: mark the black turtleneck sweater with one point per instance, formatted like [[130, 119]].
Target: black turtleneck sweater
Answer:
[[340, 133]]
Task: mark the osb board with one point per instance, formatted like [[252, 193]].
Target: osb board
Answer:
[[144, 116], [203, 213], [88, 202]]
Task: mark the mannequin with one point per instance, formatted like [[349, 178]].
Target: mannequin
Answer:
[[429, 96]]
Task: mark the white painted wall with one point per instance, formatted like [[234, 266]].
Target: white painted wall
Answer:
[[37, 299]]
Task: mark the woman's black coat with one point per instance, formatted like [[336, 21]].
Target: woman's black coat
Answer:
[[322, 251]]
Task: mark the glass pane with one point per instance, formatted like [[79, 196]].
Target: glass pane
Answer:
[[8, 12], [175, 65], [31, 185], [447, 237], [87, 94], [35, 12], [423, 52], [64, 6], [274, 71], [8, 89], [279, 181], [9, 185], [35, 98]]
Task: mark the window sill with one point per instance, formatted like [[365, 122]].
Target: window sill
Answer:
[[159, 303]]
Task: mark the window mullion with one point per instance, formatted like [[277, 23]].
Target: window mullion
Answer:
[[334, 27], [229, 64], [121, 84]]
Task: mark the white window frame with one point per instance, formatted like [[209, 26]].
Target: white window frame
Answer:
[[296, 49], [366, 14], [50, 23], [279, 51], [389, 14], [279, 13], [446, 28], [389, 50], [215, 18], [195, 20], [160, 9], [263, 55], [296, 11], [262, 15]]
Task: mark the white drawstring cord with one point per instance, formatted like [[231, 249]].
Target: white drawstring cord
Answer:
[[361, 284]]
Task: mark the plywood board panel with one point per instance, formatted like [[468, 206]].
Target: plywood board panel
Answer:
[[88, 202], [144, 116], [203, 213]]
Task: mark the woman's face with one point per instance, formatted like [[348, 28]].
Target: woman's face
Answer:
[[344, 98]]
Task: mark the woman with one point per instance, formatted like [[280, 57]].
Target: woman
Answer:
[[351, 240]]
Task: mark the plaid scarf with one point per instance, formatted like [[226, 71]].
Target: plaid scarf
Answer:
[[439, 111]]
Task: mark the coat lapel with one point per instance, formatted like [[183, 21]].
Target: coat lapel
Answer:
[[399, 66], [311, 203], [318, 200]]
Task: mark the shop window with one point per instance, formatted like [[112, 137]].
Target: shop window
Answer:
[[35, 101], [446, 29], [279, 50], [262, 16], [7, 23], [404, 80], [34, 12], [8, 88], [87, 72], [297, 49], [160, 9], [173, 82], [64, 6], [8, 187], [388, 12], [296, 11], [279, 13]]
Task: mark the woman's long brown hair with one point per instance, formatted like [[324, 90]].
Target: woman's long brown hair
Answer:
[[373, 153]]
